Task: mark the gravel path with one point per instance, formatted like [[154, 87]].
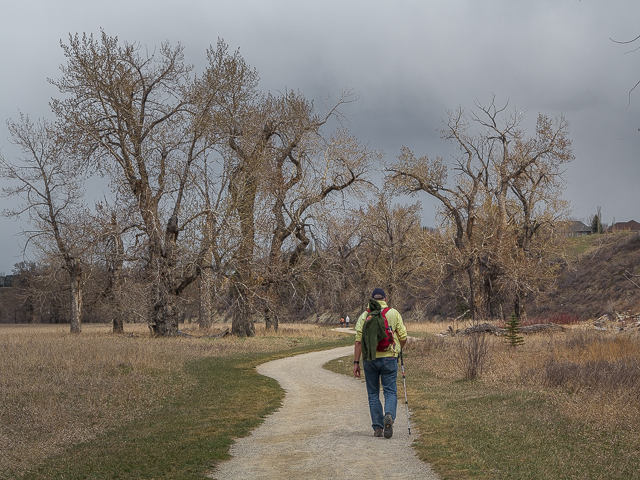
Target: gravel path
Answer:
[[323, 430]]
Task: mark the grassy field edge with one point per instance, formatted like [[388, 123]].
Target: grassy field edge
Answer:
[[476, 430], [190, 432]]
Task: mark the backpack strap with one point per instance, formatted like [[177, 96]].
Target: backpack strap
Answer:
[[386, 326]]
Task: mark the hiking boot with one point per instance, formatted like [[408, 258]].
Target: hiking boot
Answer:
[[378, 432], [388, 426]]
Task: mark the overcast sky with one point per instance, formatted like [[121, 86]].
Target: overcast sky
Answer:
[[409, 61]]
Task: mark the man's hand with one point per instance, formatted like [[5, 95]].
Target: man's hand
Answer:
[[357, 351]]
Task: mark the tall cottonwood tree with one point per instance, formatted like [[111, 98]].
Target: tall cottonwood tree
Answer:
[[144, 120], [459, 209], [301, 184], [217, 233], [478, 207], [518, 162], [505, 149], [283, 166], [50, 183]]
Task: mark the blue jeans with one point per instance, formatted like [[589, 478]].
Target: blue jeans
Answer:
[[381, 370]]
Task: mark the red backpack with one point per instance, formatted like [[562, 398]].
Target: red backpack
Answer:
[[389, 340]]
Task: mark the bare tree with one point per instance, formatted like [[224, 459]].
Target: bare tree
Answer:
[[142, 119], [517, 163], [282, 167], [460, 202], [342, 281], [301, 185], [479, 209], [50, 185], [217, 235], [533, 221], [509, 153]]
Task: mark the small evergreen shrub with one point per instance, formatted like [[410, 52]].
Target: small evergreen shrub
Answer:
[[513, 328]]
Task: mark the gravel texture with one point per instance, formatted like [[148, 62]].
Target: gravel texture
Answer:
[[323, 430]]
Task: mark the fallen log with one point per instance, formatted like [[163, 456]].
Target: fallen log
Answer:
[[493, 330], [482, 328], [218, 335]]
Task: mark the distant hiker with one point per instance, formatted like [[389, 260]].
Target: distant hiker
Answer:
[[342, 321], [347, 321], [380, 336]]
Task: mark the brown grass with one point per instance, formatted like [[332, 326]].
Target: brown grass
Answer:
[[421, 329], [563, 405], [58, 389], [590, 375]]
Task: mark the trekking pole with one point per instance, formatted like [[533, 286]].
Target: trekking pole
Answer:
[[404, 384]]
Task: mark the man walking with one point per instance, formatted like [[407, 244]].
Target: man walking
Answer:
[[380, 336]]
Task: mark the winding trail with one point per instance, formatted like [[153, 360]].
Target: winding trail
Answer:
[[322, 431]]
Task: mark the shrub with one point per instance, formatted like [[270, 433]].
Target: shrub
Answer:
[[583, 339], [594, 363], [471, 354]]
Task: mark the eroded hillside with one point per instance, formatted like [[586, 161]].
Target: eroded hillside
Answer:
[[599, 278]]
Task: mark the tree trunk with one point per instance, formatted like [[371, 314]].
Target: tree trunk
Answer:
[[205, 313], [242, 324], [114, 267], [476, 297], [241, 321], [118, 324], [169, 281], [165, 318], [164, 315], [519, 306], [75, 284], [270, 320], [267, 319]]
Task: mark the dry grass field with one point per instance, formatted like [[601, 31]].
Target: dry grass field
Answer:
[[594, 375], [58, 389], [562, 405]]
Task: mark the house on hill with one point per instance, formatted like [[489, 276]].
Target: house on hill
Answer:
[[630, 226], [575, 228]]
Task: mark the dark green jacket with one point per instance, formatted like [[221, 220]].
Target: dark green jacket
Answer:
[[372, 331]]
